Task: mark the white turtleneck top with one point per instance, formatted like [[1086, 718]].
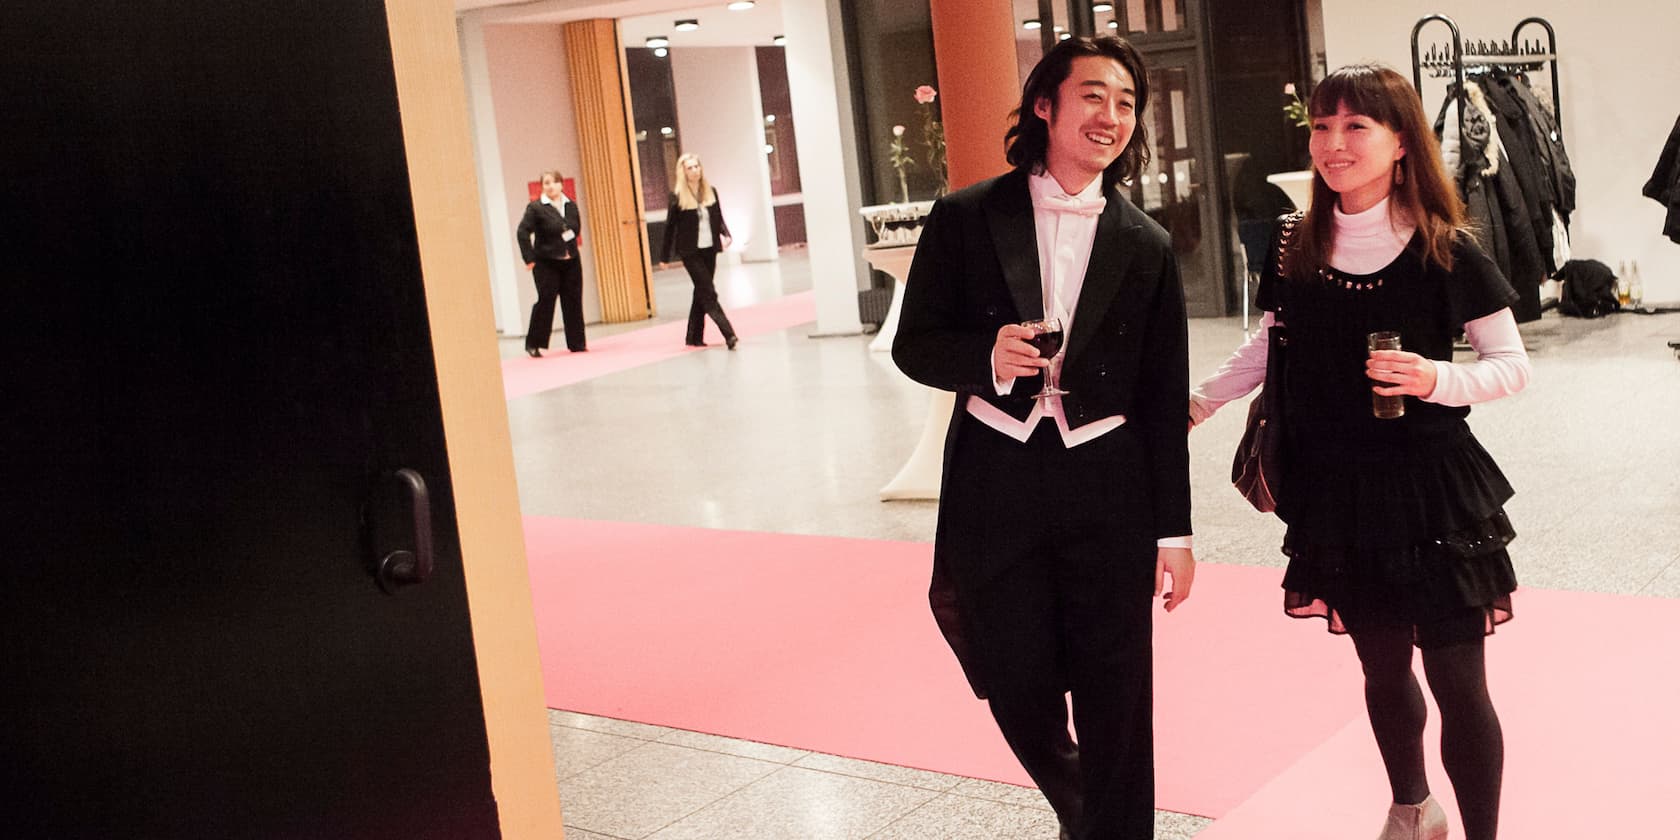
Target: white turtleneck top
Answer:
[[1365, 243]]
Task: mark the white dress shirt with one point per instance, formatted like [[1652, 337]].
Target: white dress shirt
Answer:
[[704, 229], [1067, 229]]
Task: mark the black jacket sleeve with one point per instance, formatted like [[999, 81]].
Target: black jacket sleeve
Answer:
[[933, 346], [1164, 379], [527, 228]]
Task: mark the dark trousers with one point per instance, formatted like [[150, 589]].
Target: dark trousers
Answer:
[[1054, 564], [702, 265], [562, 279]]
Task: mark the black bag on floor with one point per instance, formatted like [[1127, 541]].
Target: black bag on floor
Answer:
[[1589, 289]]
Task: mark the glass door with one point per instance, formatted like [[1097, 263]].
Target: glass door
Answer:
[[1179, 188]]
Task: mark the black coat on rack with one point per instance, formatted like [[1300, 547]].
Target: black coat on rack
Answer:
[[1664, 185]]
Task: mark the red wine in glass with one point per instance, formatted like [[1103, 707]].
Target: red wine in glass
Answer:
[[1047, 340]]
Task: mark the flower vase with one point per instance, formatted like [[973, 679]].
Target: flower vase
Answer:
[[903, 188]]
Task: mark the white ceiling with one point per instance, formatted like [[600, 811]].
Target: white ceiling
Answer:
[[719, 27]]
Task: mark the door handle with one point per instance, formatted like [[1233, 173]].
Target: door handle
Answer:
[[404, 567]]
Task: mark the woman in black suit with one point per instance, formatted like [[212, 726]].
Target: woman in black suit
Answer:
[[694, 227], [548, 240]]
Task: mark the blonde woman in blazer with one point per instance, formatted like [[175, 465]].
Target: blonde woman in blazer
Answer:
[[695, 230]]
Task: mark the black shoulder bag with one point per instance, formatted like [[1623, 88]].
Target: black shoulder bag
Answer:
[[1257, 470]]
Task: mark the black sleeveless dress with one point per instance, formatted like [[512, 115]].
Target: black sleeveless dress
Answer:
[[1391, 522]]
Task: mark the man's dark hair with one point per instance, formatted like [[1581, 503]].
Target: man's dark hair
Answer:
[[1028, 140]]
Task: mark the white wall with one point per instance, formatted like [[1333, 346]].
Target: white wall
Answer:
[[721, 116], [535, 129], [1617, 67]]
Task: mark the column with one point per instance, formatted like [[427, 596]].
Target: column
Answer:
[[822, 125], [502, 258], [974, 49]]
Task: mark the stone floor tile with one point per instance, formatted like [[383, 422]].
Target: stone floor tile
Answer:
[[649, 787], [610, 726], [577, 750], [733, 746], [952, 817], [878, 772], [798, 803]]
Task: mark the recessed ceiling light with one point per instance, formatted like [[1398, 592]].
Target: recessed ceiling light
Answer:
[[1031, 23], [1102, 7], [658, 41], [1056, 28], [660, 52], [779, 40], [1064, 36], [687, 25], [740, 5], [1114, 24], [665, 131], [769, 119]]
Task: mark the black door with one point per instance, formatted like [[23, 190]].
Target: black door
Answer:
[[215, 352]]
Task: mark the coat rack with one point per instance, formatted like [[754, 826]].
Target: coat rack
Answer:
[[1450, 59]]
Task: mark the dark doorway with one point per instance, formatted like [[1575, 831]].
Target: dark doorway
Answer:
[[217, 353]]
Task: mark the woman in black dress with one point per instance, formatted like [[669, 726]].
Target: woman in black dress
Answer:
[[548, 240], [1397, 532], [696, 231]]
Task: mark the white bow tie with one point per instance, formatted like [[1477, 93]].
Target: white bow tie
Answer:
[[1074, 204]]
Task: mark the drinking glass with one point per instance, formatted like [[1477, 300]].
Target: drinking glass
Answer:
[[1047, 340], [1385, 408]]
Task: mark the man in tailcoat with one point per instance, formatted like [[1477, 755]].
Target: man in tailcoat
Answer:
[[1060, 517]]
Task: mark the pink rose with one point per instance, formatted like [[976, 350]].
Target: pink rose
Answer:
[[898, 131], [925, 94], [1289, 89]]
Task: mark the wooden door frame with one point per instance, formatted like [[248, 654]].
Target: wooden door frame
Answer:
[[431, 92]]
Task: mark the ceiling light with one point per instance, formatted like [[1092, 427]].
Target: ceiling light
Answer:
[[1031, 23], [1056, 28], [779, 40], [769, 119], [1114, 24], [660, 52], [658, 41], [740, 5], [1064, 36], [665, 131], [1102, 7], [687, 25]]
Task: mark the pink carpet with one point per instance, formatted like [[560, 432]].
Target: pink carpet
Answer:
[[524, 375], [826, 644], [1586, 687]]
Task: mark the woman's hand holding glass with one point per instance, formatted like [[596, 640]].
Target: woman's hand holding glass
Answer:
[[1406, 373]]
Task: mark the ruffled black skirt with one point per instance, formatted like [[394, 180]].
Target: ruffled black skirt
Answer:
[[1408, 536]]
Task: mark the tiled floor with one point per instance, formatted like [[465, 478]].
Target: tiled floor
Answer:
[[796, 435]]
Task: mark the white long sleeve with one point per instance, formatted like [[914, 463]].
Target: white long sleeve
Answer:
[[1240, 374], [1500, 370]]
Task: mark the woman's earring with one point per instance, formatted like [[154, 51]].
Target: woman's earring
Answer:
[[1399, 174]]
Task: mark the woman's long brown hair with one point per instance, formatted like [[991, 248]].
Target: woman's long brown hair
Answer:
[[1426, 197]]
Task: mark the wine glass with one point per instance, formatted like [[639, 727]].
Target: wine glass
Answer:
[[1047, 340]]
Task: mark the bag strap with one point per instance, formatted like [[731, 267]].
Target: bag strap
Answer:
[[1274, 261]]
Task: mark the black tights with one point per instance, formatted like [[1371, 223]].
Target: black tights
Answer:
[[1472, 744]]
